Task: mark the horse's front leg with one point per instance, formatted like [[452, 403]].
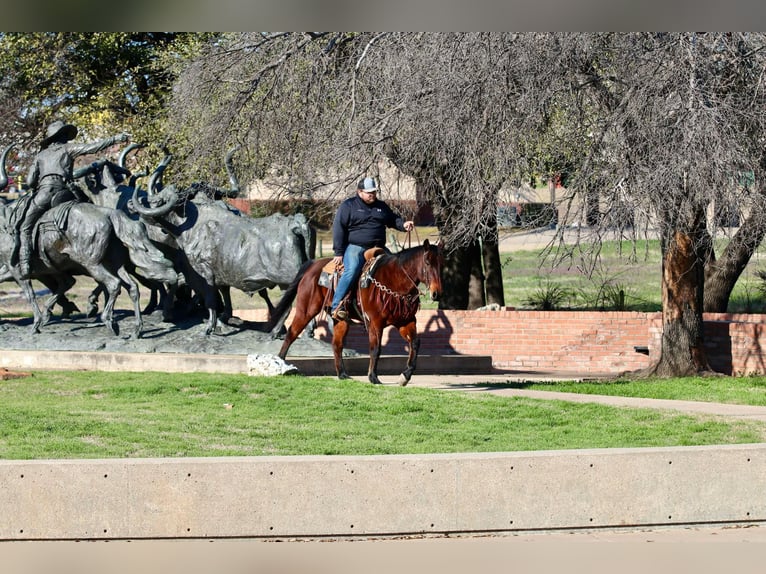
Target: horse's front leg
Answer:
[[338, 340], [410, 334], [372, 372]]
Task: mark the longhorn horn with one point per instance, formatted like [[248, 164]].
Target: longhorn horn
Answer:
[[126, 151], [3, 173], [90, 168], [170, 196], [155, 182]]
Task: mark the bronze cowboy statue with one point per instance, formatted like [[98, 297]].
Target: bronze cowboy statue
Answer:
[[50, 180]]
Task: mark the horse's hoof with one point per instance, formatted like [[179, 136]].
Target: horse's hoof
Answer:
[[403, 381], [343, 376], [375, 380]]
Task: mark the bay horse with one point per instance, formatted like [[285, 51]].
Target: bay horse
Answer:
[[390, 296]]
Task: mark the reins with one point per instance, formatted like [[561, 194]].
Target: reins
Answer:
[[408, 237]]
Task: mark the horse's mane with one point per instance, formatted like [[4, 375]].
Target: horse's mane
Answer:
[[406, 255]]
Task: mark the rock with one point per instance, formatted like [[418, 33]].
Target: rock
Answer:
[[269, 366], [490, 307]]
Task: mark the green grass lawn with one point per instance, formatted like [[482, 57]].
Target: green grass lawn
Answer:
[[115, 415], [732, 390]]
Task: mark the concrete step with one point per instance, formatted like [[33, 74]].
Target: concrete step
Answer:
[[208, 363]]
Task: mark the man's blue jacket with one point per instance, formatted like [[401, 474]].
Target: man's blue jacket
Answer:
[[360, 224]]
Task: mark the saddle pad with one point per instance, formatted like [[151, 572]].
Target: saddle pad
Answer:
[[368, 254]]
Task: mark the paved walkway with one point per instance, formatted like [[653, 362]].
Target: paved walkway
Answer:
[[500, 384], [700, 550]]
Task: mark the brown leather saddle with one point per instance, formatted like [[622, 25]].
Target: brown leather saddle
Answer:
[[329, 275]]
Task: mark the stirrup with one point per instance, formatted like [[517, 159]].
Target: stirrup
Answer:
[[340, 314]]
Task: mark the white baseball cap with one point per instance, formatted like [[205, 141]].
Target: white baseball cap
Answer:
[[368, 184]]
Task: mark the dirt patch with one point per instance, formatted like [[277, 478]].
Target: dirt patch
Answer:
[[5, 374]]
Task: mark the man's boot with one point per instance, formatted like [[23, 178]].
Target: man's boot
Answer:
[[24, 256], [340, 314]]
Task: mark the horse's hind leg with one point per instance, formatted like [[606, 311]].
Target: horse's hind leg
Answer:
[[410, 334], [307, 306]]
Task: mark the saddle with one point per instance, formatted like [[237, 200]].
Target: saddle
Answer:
[[61, 220], [58, 223], [329, 275]]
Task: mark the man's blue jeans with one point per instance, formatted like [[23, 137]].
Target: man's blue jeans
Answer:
[[353, 261]]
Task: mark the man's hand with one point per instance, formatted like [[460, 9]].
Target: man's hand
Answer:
[[409, 225], [338, 261]]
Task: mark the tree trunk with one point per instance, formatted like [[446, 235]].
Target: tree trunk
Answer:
[[456, 275], [682, 352], [592, 209], [493, 273], [722, 274], [476, 297]]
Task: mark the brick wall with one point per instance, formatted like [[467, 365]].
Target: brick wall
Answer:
[[567, 341]]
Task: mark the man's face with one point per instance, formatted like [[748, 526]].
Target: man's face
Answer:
[[367, 196]]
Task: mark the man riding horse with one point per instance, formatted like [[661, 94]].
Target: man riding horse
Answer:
[[50, 178], [360, 224]]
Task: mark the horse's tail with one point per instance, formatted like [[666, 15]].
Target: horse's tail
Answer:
[[150, 262], [282, 308]]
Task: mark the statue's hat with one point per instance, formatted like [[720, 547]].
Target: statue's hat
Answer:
[[56, 129]]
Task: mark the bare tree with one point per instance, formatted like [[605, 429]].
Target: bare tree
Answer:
[[672, 129], [320, 109], [652, 129]]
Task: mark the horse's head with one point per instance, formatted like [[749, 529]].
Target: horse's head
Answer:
[[432, 269]]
